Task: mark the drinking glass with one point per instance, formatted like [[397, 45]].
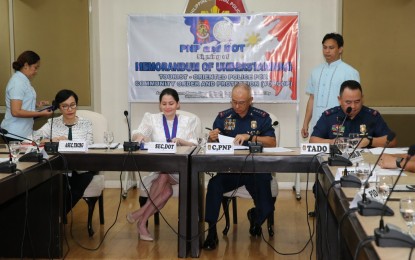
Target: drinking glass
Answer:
[[354, 139], [108, 139], [14, 149], [362, 172], [342, 143], [407, 209], [384, 184]]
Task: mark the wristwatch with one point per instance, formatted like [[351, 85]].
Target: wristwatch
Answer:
[[398, 162], [370, 138]]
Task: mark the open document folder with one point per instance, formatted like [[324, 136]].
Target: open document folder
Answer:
[[223, 139]]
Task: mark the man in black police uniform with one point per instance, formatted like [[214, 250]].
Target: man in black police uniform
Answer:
[[244, 123], [363, 120]]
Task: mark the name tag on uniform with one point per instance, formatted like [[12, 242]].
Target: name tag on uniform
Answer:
[[160, 147], [220, 148], [315, 148], [73, 146]]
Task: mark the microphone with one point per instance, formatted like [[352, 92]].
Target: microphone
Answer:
[[335, 159], [50, 108], [130, 146], [34, 156], [258, 147], [52, 147], [390, 235], [369, 207], [7, 166]]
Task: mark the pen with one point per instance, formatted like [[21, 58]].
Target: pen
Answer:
[[207, 128]]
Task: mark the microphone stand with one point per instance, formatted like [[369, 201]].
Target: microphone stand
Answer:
[[348, 180], [335, 159], [35, 156], [52, 147], [369, 207], [391, 235], [255, 147], [7, 166], [130, 146]]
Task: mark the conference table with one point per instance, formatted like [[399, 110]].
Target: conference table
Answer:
[[341, 231], [239, 162], [30, 210], [118, 160], [38, 188]]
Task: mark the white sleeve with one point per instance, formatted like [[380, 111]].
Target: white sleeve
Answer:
[[146, 126]]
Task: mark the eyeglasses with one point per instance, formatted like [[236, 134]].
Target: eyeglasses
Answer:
[[241, 103], [66, 107]]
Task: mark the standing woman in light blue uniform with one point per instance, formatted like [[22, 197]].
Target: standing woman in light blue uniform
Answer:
[[21, 97]]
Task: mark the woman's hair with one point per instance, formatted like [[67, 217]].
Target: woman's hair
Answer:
[[29, 57], [63, 95], [171, 92]]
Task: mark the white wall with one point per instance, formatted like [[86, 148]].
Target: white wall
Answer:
[[109, 50], [109, 28]]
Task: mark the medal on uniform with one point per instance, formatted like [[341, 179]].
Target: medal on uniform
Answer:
[[337, 130], [230, 124], [254, 124], [363, 129]]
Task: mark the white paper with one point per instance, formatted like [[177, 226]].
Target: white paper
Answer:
[[276, 150], [223, 139], [103, 146], [378, 150]]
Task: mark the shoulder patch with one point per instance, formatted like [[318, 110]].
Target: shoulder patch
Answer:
[[225, 113], [371, 111], [332, 110], [259, 112]]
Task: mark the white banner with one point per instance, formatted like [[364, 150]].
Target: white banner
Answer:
[[204, 56]]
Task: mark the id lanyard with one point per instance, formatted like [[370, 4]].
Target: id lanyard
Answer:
[[167, 130]]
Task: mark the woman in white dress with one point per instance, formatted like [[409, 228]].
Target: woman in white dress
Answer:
[[166, 126]]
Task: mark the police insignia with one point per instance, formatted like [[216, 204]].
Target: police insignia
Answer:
[[229, 124], [363, 129], [336, 131], [254, 124]]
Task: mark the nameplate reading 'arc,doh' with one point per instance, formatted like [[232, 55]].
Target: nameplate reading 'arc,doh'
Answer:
[[73, 146], [162, 147], [314, 148], [220, 148]]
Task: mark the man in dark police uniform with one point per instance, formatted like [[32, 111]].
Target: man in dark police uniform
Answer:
[[245, 123], [362, 120]]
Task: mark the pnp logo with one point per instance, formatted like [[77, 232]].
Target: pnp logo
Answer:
[[218, 148], [314, 148]]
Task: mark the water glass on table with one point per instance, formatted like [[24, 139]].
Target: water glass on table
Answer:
[[342, 143], [362, 171], [15, 147], [354, 139], [384, 184], [108, 139], [407, 209]]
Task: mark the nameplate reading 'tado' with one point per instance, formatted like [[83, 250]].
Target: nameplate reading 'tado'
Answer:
[[314, 148]]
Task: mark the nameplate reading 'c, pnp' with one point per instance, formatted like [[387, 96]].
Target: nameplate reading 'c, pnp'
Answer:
[[73, 146], [314, 148], [160, 147], [219, 148]]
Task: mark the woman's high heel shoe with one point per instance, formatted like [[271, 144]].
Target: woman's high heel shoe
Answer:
[[145, 237], [130, 218]]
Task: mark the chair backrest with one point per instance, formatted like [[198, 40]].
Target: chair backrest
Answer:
[[198, 122], [99, 123], [276, 127]]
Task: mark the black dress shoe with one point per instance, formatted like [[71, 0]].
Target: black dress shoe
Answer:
[[211, 242], [254, 228]]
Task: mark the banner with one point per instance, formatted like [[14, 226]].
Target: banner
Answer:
[[215, 6], [204, 56]]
